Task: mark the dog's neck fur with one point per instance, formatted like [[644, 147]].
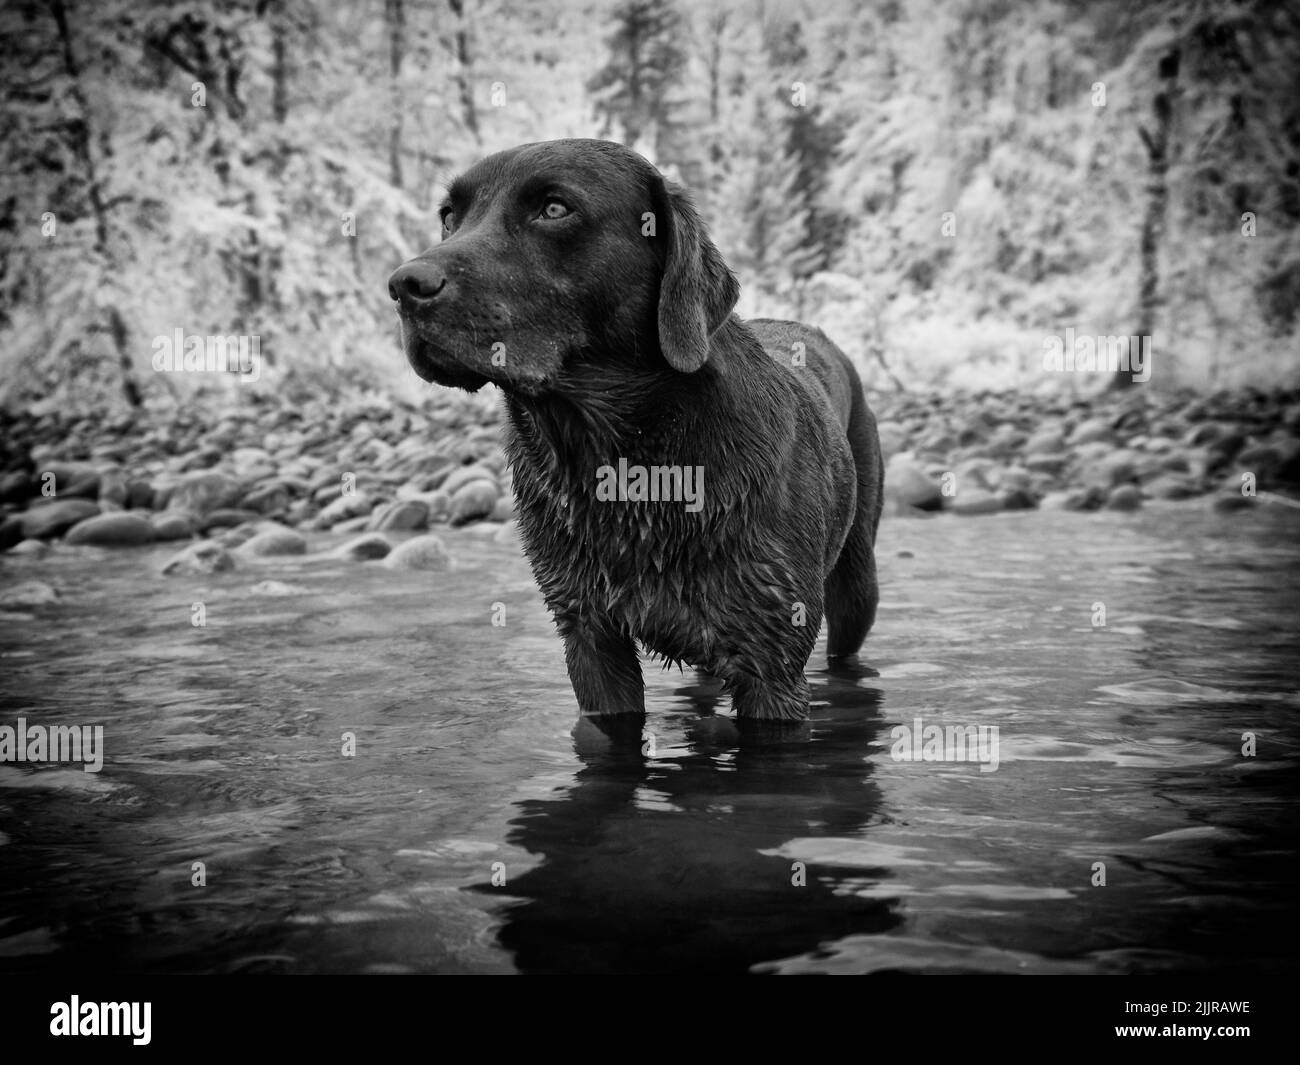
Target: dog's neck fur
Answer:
[[606, 410], [598, 408]]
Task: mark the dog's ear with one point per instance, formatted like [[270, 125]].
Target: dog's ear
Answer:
[[697, 290]]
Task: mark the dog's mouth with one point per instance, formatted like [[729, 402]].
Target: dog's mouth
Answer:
[[443, 357], [433, 363]]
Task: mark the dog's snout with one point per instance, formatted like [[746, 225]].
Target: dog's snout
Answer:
[[416, 284]]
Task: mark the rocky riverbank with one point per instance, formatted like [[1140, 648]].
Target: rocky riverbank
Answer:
[[257, 479], [986, 453]]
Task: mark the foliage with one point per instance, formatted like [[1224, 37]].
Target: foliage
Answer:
[[258, 167]]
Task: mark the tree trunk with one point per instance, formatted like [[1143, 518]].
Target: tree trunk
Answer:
[[463, 68], [279, 71], [1153, 220], [81, 141], [121, 340], [271, 262], [395, 18], [717, 28]]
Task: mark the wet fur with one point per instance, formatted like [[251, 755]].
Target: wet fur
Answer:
[[624, 346]]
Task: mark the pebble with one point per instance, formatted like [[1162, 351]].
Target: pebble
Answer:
[[271, 542], [119, 529], [201, 493], [46, 520], [426, 552], [173, 525], [1124, 497], [975, 501], [199, 559], [907, 483], [399, 515], [363, 548], [473, 501]]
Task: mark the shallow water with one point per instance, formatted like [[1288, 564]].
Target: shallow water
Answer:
[[710, 848]]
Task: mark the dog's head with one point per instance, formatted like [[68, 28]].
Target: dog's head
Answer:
[[556, 255]]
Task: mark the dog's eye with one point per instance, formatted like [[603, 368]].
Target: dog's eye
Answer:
[[553, 209], [448, 220]]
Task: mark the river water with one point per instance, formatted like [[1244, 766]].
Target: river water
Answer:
[[1121, 820]]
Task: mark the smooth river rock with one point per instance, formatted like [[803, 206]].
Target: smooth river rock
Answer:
[[46, 520], [119, 529], [426, 552]]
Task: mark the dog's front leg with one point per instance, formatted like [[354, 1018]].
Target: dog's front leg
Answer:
[[771, 698], [604, 669]]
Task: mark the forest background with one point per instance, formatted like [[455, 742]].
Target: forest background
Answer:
[[939, 184]]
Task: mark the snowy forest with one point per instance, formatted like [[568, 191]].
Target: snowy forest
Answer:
[[939, 184]]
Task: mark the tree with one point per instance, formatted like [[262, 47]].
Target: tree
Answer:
[[1220, 237], [72, 156], [634, 89]]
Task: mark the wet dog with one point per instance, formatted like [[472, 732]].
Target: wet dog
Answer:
[[708, 487]]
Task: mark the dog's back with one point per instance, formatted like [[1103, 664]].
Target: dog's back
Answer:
[[800, 347], [819, 365]]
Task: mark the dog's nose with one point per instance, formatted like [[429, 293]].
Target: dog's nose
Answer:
[[416, 284]]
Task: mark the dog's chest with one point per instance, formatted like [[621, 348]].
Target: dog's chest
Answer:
[[686, 585], [686, 573], [615, 556]]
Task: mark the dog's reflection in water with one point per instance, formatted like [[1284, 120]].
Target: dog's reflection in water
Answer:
[[653, 859]]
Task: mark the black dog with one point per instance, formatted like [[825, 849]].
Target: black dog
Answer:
[[706, 486]]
